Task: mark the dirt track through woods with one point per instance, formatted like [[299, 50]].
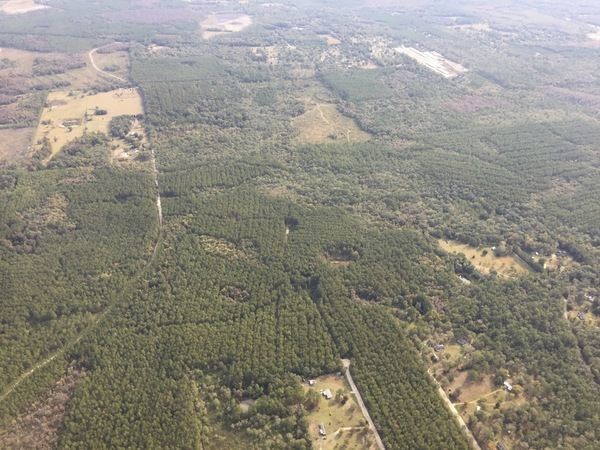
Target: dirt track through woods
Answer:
[[363, 408]]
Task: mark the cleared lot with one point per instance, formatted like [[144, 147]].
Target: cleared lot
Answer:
[[68, 115], [434, 62]]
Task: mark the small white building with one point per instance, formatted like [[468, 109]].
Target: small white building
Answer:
[[322, 431], [508, 386], [327, 394], [312, 382]]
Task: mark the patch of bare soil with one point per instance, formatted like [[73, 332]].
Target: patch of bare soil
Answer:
[[336, 262], [14, 144], [52, 212], [40, 427]]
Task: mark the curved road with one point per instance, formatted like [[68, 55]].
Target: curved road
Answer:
[[363, 408], [99, 70]]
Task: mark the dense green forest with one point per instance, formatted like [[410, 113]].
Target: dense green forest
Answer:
[[199, 262]]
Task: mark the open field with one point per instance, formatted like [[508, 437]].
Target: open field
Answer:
[[20, 6], [14, 144], [471, 391], [218, 24], [344, 423], [116, 63], [67, 117], [434, 62], [323, 123], [506, 266], [37, 69], [330, 40], [22, 60]]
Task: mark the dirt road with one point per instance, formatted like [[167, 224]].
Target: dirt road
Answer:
[[363, 408], [102, 315], [472, 442], [98, 69]]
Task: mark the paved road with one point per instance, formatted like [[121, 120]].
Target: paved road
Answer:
[[359, 400], [98, 69]]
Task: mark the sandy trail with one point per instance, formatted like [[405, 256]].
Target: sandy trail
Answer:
[[363, 408], [99, 70], [48, 360], [472, 441]]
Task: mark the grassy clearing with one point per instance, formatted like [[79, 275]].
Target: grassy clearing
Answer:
[[562, 263], [330, 40], [219, 24], [20, 6], [116, 63], [471, 391], [14, 144], [323, 123], [221, 247], [336, 262], [22, 58], [67, 116], [80, 78], [485, 261], [344, 423]]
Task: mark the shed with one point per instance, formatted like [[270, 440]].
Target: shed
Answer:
[[327, 394], [322, 431]]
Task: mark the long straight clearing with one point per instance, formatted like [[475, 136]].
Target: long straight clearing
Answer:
[[68, 115], [434, 62]]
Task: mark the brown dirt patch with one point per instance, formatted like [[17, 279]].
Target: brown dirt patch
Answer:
[[39, 428], [14, 145], [323, 123], [336, 262], [473, 391], [330, 40]]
